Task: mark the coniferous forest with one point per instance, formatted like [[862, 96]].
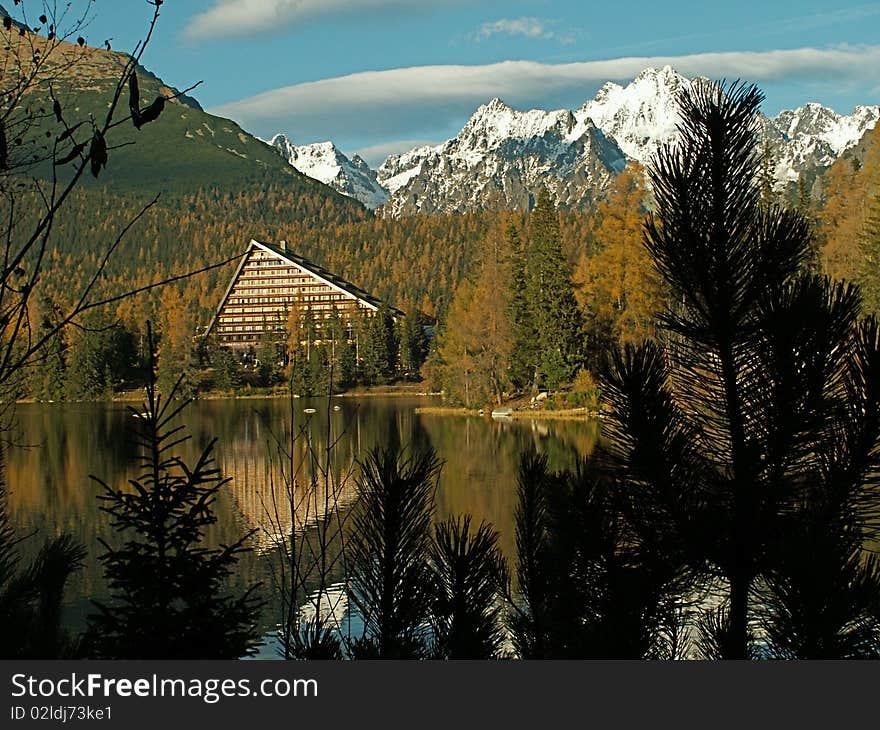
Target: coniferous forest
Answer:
[[722, 333]]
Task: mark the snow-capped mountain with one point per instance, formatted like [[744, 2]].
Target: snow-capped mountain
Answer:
[[398, 170], [499, 160], [503, 155], [815, 136], [324, 162], [643, 115], [640, 116]]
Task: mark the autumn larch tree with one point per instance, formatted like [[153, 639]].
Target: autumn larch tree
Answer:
[[617, 283], [475, 344]]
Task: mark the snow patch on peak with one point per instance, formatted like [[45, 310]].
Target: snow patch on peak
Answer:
[[815, 136], [399, 169], [609, 88], [498, 121], [495, 105], [823, 124], [500, 157], [324, 162], [639, 116]]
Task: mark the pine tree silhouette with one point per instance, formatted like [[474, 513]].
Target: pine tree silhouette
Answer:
[[388, 552], [753, 434], [168, 593], [31, 596], [469, 573]]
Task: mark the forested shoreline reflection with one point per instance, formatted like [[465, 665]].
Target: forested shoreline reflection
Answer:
[[60, 445]]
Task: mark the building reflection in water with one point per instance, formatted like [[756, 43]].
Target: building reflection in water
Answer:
[[51, 491]]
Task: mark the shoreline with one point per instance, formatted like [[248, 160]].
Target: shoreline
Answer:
[[529, 414], [402, 391], [381, 391]]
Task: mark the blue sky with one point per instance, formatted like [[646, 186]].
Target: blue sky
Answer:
[[378, 76]]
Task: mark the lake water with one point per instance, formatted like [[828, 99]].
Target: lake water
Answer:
[[60, 445]]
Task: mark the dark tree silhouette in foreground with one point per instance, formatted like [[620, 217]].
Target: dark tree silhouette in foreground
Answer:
[[530, 622], [169, 598], [584, 592], [823, 591], [388, 552], [48, 146], [746, 449], [31, 596], [468, 570], [421, 592]]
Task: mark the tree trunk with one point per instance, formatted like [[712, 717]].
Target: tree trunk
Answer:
[[736, 645]]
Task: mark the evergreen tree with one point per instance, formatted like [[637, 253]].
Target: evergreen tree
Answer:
[[346, 363], [168, 594], [300, 374], [806, 208], [389, 552], [469, 575], [227, 371], [531, 625], [523, 356], [556, 316], [767, 175], [268, 354], [379, 352], [413, 344], [319, 369], [804, 199], [339, 353], [309, 370], [50, 373], [101, 356], [746, 452], [584, 592]]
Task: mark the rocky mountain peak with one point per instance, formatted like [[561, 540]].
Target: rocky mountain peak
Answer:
[[502, 153], [323, 161]]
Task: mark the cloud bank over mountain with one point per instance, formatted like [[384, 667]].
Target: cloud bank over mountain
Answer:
[[430, 101]]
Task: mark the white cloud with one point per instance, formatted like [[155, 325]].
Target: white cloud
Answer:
[[528, 27], [227, 18], [432, 100]]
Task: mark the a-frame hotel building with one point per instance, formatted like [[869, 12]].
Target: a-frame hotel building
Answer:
[[268, 283]]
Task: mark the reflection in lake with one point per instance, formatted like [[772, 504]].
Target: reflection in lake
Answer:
[[51, 491]]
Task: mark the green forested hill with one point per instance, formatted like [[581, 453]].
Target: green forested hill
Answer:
[[185, 150]]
